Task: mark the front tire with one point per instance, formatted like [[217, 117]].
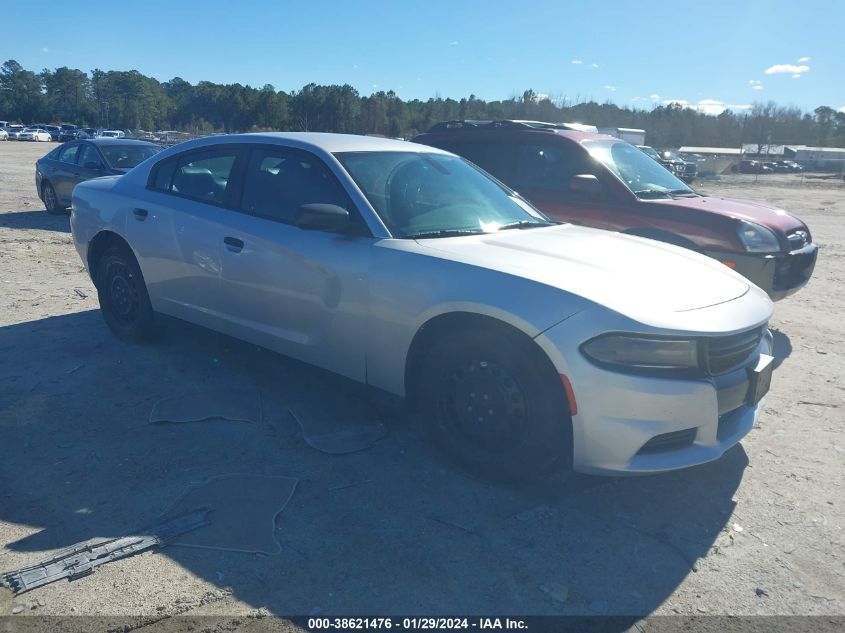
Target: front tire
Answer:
[[495, 404], [124, 301], [51, 200]]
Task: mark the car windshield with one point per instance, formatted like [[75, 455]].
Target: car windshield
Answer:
[[642, 175], [650, 152], [433, 195], [127, 156]]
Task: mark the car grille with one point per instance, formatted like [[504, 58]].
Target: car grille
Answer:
[[669, 441], [724, 353]]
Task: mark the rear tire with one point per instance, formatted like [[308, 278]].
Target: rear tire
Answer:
[[495, 405], [51, 201], [124, 301]]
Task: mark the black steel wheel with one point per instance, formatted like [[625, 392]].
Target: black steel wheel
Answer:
[[494, 403], [124, 301]]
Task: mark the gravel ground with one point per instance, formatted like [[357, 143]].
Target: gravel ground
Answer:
[[394, 530]]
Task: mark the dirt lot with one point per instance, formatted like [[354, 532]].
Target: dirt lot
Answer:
[[393, 529]]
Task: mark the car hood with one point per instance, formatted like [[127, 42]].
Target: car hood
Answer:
[[628, 274], [770, 217]]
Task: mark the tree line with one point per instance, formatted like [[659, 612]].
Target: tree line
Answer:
[[131, 100]]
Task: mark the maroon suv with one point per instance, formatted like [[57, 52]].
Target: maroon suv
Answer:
[[603, 182]]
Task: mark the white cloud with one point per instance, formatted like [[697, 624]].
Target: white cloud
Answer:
[[842, 109], [375, 85], [786, 68], [712, 107], [654, 97], [540, 96], [803, 59], [577, 61], [796, 76], [754, 82], [45, 50], [757, 87], [594, 65], [454, 43], [611, 88]]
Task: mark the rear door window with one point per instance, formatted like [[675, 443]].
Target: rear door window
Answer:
[[90, 157], [205, 175], [69, 153]]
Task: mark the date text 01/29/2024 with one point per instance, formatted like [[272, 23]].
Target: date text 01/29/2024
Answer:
[[418, 623]]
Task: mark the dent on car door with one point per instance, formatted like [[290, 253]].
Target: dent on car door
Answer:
[[300, 292], [177, 230]]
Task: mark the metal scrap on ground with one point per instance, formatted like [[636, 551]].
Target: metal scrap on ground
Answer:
[[80, 560], [196, 407]]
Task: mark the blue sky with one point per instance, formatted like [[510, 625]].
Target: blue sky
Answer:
[[707, 54]]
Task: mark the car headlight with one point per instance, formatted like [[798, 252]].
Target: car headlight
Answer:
[[756, 238], [633, 351]]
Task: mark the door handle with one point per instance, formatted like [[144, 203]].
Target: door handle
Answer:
[[233, 244], [140, 214]]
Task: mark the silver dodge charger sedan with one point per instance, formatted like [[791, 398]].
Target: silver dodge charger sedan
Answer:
[[524, 343]]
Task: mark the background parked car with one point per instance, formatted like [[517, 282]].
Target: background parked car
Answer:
[[684, 169], [4, 135], [790, 166], [112, 134], [588, 179], [57, 173], [14, 131], [54, 131], [67, 132], [34, 134], [754, 167], [86, 133]]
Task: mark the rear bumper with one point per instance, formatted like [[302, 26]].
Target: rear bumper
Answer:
[[779, 275]]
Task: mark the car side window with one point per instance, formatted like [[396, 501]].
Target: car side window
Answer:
[[69, 153], [278, 181], [549, 167], [90, 157], [488, 156], [204, 175]]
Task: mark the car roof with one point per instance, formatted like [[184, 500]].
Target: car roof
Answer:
[[321, 141], [480, 133], [116, 141]]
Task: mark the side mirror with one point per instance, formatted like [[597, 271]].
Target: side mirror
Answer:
[[321, 217], [586, 183]]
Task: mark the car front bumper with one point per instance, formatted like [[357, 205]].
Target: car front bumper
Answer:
[[780, 275], [629, 424]]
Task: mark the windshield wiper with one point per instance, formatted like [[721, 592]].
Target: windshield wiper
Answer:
[[444, 233], [523, 224], [684, 193], [652, 192]]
